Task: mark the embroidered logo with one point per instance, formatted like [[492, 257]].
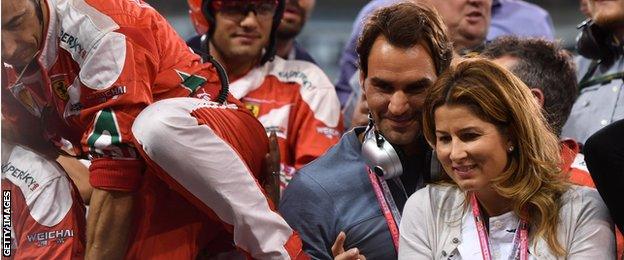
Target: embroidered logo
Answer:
[[60, 88], [110, 93], [254, 108], [72, 44], [24, 176], [43, 238], [190, 82]]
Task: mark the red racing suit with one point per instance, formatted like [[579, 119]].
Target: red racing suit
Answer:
[[46, 211], [297, 100], [102, 62]]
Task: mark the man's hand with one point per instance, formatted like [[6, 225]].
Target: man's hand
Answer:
[[79, 174], [108, 224], [339, 252], [272, 171]]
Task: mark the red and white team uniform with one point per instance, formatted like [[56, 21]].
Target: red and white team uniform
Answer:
[[102, 63], [47, 213], [298, 101]]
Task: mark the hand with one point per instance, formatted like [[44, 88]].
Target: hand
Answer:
[[339, 252], [272, 170]]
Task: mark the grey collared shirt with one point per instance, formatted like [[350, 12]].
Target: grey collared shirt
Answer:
[[597, 105]]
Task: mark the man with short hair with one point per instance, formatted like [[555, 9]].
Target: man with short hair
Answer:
[[296, 13], [293, 98], [467, 23], [402, 50], [601, 98], [549, 71]]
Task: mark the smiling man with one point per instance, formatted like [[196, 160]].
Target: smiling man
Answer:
[[294, 98], [402, 50]]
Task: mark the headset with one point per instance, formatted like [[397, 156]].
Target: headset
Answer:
[[203, 19], [380, 155], [602, 48], [386, 161]]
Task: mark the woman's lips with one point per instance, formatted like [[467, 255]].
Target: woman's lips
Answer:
[[464, 171]]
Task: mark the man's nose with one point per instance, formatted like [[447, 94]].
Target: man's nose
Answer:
[[250, 20], [398, 103], [8, 46]]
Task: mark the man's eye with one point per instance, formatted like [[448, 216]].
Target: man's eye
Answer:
[[444, 139], [14, 23], [265, 8], [383, 87]]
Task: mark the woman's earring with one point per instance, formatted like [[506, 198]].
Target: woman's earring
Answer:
[[510, 149]]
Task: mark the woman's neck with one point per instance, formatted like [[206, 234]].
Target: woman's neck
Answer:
[[493, 203]]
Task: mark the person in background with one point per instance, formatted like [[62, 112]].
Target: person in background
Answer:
[[548, 70], [333, 202], [502, 195], [550, 74], [521, 19], [601, 98], [296, 13], [293, 98], [584, 8]]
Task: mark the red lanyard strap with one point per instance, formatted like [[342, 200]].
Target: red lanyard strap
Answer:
[[521, 236], [388, 207]]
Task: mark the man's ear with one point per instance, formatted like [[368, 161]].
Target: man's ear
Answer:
[[362, 78], [539, 96]]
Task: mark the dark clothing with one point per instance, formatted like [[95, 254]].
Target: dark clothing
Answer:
[[604, 154], [334, 193]]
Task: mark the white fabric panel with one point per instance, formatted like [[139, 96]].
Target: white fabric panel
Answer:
[[314, 86], [42, 182], [213, 172], [277, 117]]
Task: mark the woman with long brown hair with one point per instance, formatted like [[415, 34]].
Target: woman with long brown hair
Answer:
[[502, 195]]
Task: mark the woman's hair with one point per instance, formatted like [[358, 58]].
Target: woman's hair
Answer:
[[532, 178]]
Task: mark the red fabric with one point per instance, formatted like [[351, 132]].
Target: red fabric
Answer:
[[119, 175], [307, 137], [49, 247], [155, 64], [177, 225], [569, 151]]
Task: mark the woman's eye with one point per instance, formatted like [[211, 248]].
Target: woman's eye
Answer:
[[469, 136]]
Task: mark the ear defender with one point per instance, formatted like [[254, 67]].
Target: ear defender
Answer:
[[380, 155]]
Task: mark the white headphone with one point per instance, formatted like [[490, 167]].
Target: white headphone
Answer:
[[385, 160], [379, 154]]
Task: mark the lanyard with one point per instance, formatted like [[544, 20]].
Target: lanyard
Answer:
[[521, 237], [388, 206]]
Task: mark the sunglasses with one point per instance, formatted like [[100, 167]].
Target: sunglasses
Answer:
[[238, 9]]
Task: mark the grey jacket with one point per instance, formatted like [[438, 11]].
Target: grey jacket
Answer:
[[431, 225]]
